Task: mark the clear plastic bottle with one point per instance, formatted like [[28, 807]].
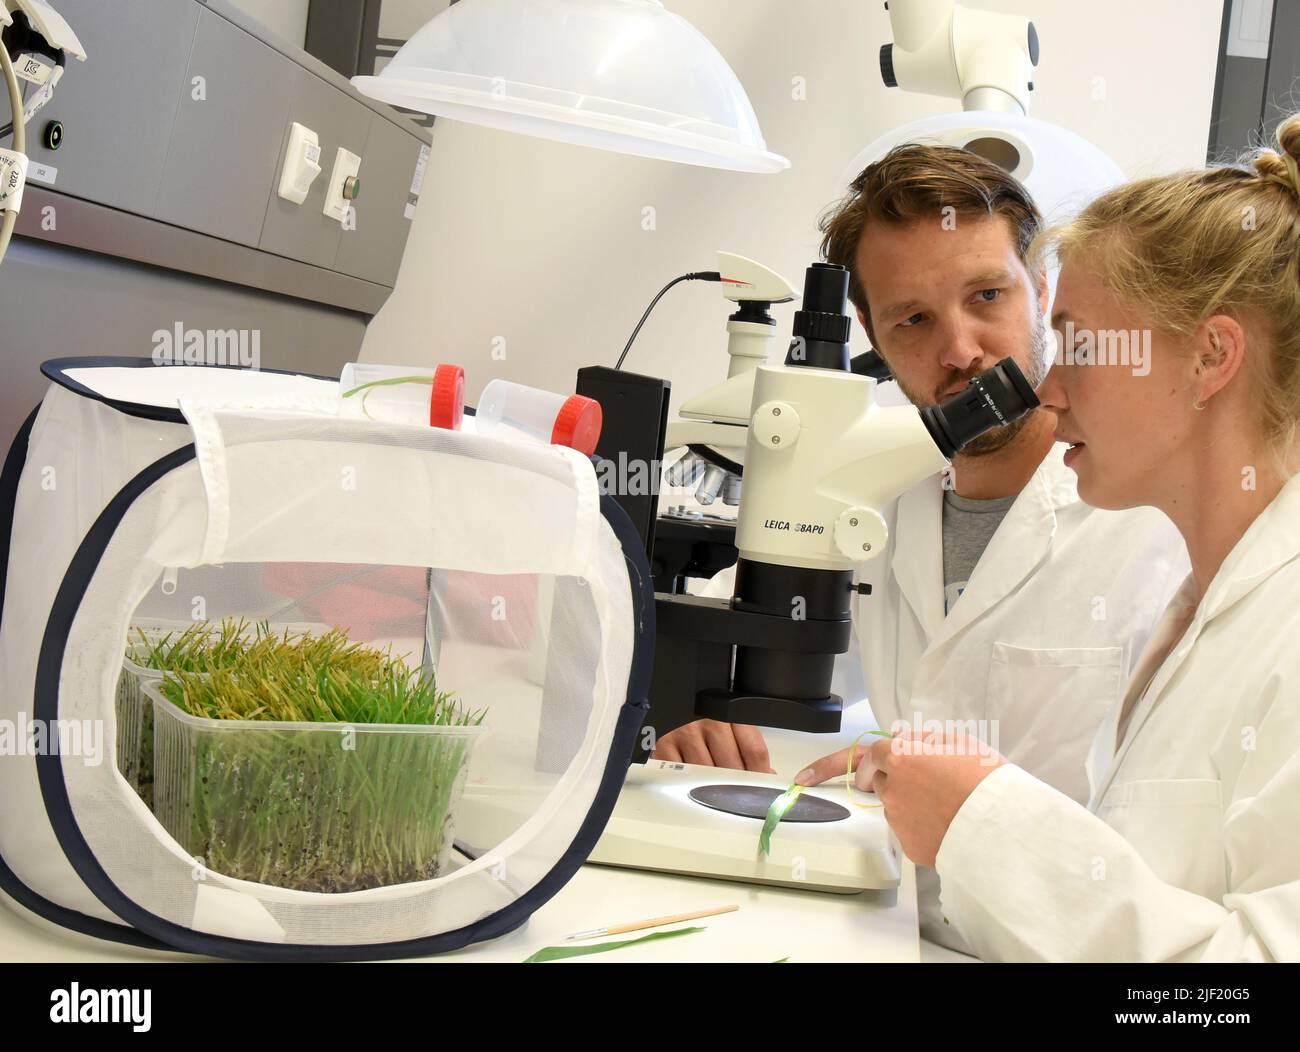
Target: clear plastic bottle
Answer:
[[510, 409], [403, 394]]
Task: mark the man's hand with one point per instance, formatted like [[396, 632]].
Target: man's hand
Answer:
[[709, 743], [922, 780]]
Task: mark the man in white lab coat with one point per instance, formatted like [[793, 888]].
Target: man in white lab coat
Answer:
[[1002, 606]]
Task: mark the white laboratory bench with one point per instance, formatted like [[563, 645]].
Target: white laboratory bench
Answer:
[[772, 923]]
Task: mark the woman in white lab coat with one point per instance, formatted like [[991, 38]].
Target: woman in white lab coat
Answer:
[[1190, 846]]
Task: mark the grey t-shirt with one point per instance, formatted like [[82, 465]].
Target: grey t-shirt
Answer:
[[968, 526]]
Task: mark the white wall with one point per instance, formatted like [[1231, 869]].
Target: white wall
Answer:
[[285, 18], [399, 19], [542, 243]]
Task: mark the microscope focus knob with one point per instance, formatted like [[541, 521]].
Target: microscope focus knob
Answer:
[[776, 425], [860, 534]]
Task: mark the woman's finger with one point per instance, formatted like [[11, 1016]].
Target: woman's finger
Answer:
[[832, 766]]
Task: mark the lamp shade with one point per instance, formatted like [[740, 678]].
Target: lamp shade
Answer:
[[1061, 170], [622, 75]]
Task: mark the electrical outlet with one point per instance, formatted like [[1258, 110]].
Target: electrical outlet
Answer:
[[301, 164], [344, 185]]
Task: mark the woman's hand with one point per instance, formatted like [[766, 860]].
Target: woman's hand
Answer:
[[922, 780]]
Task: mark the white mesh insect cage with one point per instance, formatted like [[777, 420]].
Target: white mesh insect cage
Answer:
[[138, 502]]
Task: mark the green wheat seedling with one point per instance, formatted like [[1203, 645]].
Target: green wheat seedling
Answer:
[[200, 648], [317, 808], [204, 648], [391, 382]]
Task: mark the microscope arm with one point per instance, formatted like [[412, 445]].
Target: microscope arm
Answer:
[[883, 455], [984, 59]]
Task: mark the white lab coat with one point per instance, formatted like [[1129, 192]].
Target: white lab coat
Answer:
[[1190, 846], [1039, 646]]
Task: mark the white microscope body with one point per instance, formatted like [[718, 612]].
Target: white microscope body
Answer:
[[718, 418], [984, 59], [822, 458]]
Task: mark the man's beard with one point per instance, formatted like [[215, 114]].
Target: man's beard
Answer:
[[1000, 437]]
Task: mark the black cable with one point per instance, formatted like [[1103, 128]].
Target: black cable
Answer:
[[703, 275]]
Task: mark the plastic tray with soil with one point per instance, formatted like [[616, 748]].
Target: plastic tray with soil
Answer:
[[308, 776]]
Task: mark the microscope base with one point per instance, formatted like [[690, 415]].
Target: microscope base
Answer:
[[656, 826]]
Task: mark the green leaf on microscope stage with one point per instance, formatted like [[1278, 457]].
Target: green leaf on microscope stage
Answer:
[[559, 953], [779, 809]]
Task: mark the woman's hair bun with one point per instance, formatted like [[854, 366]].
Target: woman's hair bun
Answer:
[[1284, 167], [1288, 137]]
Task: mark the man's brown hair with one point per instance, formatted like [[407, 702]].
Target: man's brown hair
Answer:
[[914, 182]]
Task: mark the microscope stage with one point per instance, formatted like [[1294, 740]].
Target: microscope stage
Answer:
[[659, 823]]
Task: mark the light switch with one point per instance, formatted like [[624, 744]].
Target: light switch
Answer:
[[344, 185], [301, 164]]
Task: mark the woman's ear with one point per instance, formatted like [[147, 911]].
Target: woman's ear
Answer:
[[1220, 353]]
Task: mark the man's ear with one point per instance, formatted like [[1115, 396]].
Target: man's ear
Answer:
[[1044, 291], [862, 320]]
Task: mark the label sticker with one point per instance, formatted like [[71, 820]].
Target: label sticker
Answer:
[[421, 165], [417, 183], [13, 177], [43, 173], [32, 69], [39, 100]]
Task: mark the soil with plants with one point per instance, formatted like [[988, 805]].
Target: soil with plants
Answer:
[[361, 803]]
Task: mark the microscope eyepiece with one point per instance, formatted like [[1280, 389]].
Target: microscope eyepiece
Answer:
[[825, 288], [821, 327], [995, 398]]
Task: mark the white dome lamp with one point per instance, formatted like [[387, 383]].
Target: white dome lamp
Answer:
[[621, 75], [1061, 170], [987, 61]]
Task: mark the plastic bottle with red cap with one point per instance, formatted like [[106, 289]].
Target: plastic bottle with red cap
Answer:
[[403, 394], [512, 410]]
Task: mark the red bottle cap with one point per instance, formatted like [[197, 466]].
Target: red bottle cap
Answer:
[[577, 424], [447, 403]]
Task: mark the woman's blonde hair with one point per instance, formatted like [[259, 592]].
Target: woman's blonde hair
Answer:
[[1185, 247]]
